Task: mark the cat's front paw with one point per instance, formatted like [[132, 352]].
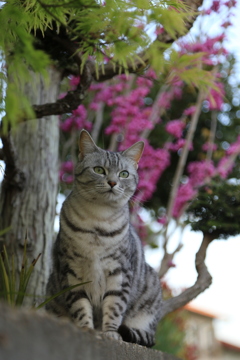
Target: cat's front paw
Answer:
[[113, 335]]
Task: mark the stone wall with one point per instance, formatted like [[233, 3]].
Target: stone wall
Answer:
[[32, 335]]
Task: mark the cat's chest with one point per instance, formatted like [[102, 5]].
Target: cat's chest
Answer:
[[95, 238], [96, 270]]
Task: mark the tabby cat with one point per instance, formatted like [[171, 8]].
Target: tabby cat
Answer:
[[97, 243]]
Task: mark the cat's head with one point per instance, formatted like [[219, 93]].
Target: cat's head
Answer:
[[106, 177]]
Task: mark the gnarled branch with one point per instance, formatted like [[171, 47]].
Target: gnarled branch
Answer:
[[71, 101], [203, 281], [62, 106]]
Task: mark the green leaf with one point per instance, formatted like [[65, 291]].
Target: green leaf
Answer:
[[60, 293]]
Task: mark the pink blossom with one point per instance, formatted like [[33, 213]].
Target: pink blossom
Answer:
[[207, 12], [159, 30], [179, 144], [190, 111], [62, 95], [209, 146], [210, 48], [171, 264], [165, 100], [68, 179], [216, 5], [199, 171], [225, 167], [153, 163], [74, 82], [175, 128], [78, 120], [162, 220], [234, 148], [94, 106], [151, 74], [185, 193], [66, 172], [67, 166], [231, 3], [226, 24], [216, 97]]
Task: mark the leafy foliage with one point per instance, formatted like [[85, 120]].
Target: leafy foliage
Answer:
[[113, 32], [216, 208], [13, 289]]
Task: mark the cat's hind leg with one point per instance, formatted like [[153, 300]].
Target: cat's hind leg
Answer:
[[137, 336], [139, 329]]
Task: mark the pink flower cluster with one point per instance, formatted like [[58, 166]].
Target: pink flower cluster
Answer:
[[107, 93], [152, 165], [208, 146], [177, 145], [78, 120], [185, 194], [224, 167], [175, 128], [199, 172], [209, 47], [217, 5], [202, 171], [226, 164], [190, 111], [216, 97], [66, 172], [130, 116], [234, 148]]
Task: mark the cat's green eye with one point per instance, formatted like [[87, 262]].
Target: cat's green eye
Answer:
[[99, 170], [124, 174]]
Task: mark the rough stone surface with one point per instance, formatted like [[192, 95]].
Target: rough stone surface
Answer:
[[31, 335]]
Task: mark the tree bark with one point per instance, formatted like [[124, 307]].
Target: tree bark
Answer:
[[203, 281], [28, 207]]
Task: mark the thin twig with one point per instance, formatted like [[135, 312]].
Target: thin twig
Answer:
[[212, 134], [183, 159], [156, 112], [98, 122]]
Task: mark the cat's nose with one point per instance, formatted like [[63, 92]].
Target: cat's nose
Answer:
[[112, 183]]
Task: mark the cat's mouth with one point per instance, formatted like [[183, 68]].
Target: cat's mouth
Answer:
[[113, 192]]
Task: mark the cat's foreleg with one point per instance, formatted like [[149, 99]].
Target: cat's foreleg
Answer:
[[112, 314], [114, 304], [80, 309]]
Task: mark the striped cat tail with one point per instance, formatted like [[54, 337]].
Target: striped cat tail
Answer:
[[136, 336]]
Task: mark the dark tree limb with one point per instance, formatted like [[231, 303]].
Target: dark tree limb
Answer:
[[203, 281], [62, 106], [71, 101]]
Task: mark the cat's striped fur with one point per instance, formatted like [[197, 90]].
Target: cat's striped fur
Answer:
[[97, 243]]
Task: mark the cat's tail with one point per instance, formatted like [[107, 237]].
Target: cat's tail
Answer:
[[136, 336]]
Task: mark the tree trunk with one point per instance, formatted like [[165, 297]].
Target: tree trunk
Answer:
[[29, 209]]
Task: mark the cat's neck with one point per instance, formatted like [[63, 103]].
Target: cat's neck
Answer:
[[105, 211]]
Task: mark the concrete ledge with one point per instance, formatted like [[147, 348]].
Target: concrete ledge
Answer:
[[31, 335]]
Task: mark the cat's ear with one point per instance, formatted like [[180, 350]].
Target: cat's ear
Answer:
[[134, 152], [86, 144]]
